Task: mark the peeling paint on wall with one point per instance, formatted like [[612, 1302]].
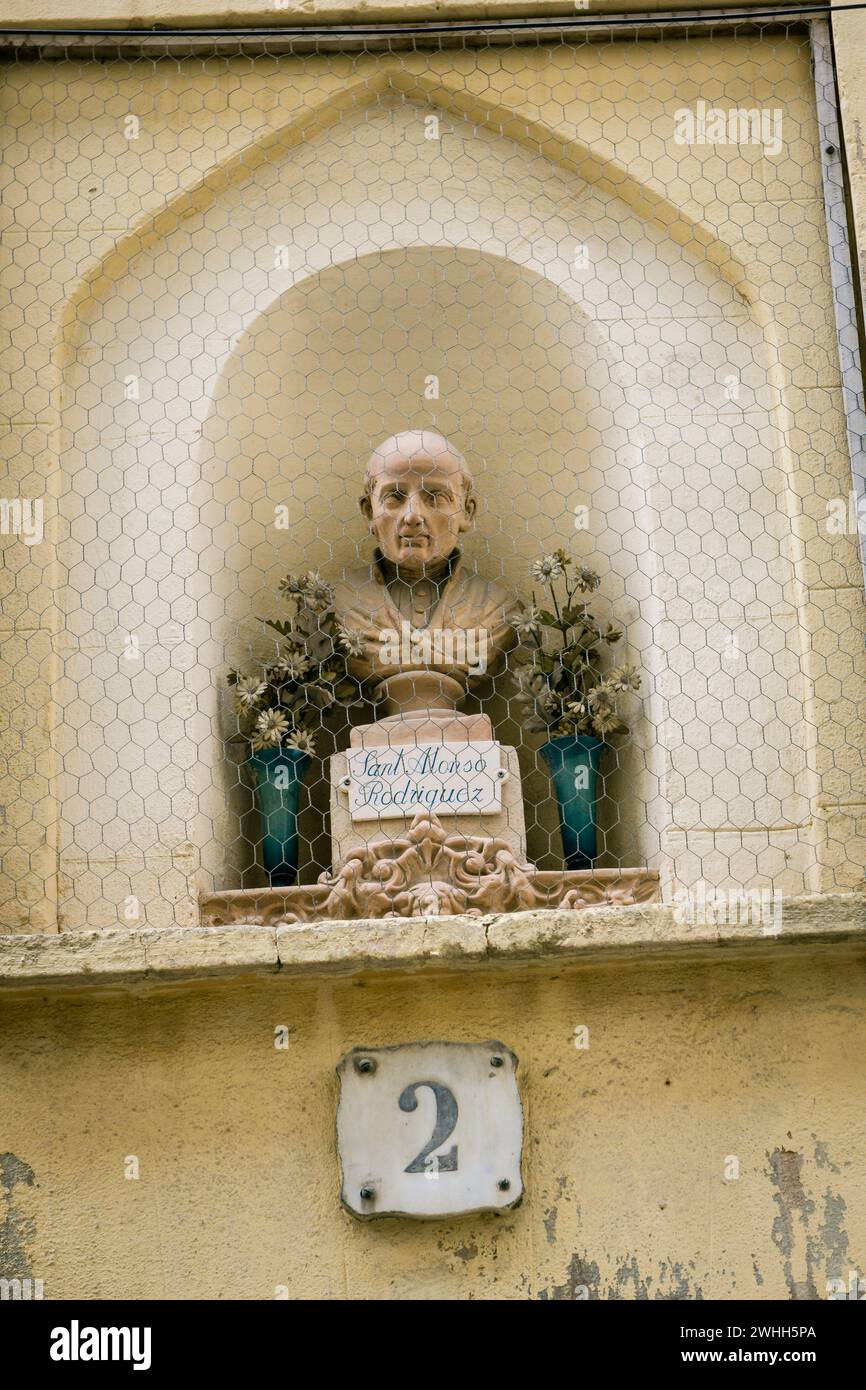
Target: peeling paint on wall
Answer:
[[671, 1282], [582, 1281], [791, 1223], [810, 1257], [16, 1230]]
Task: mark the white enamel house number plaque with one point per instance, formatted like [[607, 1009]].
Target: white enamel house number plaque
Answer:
[[429, 1129], [446, 779]]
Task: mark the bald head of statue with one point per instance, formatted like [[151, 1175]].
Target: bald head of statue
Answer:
[[417, 500]]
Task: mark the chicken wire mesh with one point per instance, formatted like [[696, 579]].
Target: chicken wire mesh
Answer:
[[497, 377]]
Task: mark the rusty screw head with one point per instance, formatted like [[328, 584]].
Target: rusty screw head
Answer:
[[365, 1065], [497, 1061], [503, 1184], [367, 1194]]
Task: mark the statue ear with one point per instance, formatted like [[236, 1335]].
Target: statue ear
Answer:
[[366, 508], [469, 507]]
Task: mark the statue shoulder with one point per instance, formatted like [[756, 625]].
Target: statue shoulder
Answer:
[[490, 594], [359, 577], [357, 591]]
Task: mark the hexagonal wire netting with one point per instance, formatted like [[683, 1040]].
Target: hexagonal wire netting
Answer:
[[347, 389]]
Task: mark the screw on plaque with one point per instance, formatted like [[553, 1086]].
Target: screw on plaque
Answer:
[[367, 1194], [365, 1065], [497, 1062], [503, 1184]]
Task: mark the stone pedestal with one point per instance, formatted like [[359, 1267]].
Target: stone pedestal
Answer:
[[413, 729], [418, 865], [423, 726]]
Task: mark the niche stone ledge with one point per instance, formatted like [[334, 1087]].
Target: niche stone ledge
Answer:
[[439, 945]]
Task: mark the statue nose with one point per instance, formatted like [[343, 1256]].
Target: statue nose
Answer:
[[413, 511]]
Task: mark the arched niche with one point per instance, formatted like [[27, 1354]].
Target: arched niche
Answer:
[[555, 307], [347, 357]]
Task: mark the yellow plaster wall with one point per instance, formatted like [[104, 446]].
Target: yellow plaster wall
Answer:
[[626, 1144]]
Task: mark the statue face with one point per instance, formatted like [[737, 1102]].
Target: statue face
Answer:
[[417, 508]]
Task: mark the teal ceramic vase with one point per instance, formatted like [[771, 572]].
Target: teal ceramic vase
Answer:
[[574, 766], [279, 773]]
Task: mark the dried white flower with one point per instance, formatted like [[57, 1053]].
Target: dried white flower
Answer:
[[351, 641], [271, 727], [528, 623], [248, 691], [302, 741], [548, 568]]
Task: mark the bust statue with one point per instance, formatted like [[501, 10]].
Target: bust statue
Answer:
[[421, 627]]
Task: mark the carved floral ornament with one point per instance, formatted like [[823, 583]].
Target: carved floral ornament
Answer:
[[430, 872]]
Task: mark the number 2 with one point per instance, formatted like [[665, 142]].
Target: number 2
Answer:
[[446, 1119]]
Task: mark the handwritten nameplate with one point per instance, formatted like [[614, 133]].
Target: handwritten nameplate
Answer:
[[447, 779]]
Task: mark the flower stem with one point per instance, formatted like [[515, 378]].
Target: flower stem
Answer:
[[555, 602]]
